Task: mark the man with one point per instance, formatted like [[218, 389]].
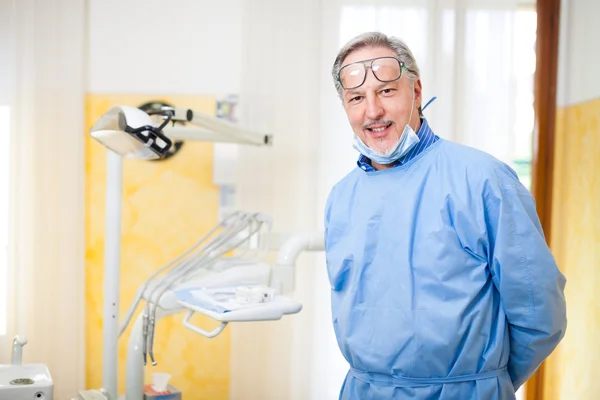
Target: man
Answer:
[[443, 286]]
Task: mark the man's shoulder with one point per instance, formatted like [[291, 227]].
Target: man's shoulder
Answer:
[[476, 164], [349, 180], [469, 156]]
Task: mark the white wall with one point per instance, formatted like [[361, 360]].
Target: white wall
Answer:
[[5, 72], [175, 47], [579, 52]]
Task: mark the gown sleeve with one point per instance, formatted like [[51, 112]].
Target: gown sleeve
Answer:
[[525, 273]]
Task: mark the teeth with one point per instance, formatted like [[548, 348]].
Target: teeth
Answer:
[[378, 129]]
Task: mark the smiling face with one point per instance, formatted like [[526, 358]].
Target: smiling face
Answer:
[[378, 111]]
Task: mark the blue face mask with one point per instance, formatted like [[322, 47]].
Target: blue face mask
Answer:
[[407, 141]]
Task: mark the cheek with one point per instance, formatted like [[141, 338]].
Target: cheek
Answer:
[[355, 117], [398, 113], [394, 105]]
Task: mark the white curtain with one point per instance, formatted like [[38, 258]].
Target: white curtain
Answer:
[[280, 94], [465, 49], [46, 299]]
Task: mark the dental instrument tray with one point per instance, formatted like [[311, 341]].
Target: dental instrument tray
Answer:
[[237, 304], [234, 304]]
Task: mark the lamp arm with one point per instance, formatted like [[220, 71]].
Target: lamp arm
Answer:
[[219, 126]]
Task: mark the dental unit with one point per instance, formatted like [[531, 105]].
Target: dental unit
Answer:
[[224, 275]]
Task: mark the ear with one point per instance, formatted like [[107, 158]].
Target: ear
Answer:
[[418, 88]]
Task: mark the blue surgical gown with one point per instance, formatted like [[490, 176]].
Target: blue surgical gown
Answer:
[[442, 285]]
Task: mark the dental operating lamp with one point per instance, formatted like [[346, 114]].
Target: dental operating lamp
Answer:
[[133, 133]]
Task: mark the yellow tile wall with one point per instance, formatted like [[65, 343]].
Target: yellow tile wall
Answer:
[[573, 369], [167, 206]]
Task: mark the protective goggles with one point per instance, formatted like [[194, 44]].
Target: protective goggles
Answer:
[[385, 69]]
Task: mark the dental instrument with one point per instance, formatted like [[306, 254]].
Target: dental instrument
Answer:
[[219, 246]]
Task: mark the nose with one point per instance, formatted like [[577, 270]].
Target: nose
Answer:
[[374, 107]]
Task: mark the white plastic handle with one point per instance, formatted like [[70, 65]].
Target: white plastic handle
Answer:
[[212, 334]]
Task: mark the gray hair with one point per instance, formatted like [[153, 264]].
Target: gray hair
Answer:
[[376, 39]]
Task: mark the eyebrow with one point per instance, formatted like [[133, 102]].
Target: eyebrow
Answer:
[[353, 92], [380, 86]]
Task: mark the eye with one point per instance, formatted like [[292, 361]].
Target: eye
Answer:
[[388, 91], [355, 99]]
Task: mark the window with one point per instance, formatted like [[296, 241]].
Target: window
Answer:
[[524, 64], [4, 186]]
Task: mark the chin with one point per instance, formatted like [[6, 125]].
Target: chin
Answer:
[[383, 149]]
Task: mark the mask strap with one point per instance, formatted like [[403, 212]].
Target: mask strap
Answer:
[[429, 102], [413, 104]]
